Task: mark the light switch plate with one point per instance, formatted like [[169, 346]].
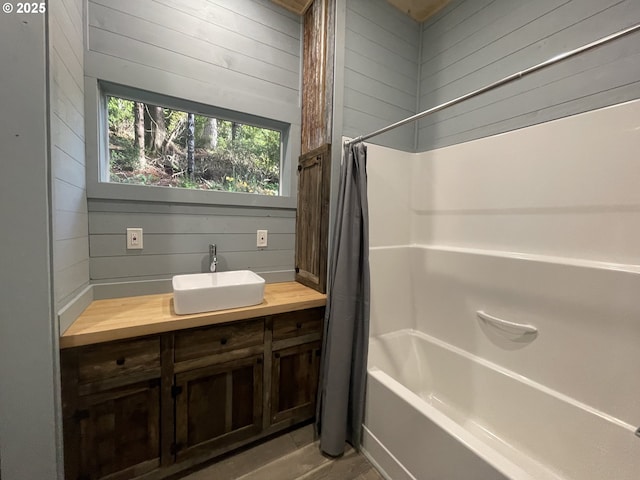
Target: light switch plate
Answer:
[[134, 238]]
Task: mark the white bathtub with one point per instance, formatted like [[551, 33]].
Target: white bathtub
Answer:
[[435, 411]]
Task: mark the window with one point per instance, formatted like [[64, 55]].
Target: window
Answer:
[[154, 145]]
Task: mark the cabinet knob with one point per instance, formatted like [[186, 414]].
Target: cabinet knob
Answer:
[[120, 361], [223, 341]]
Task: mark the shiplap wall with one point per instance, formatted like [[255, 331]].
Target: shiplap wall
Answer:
[[474, 42], [382, 48], [243, 55], [177, 238], [70, 216], [238, 54]]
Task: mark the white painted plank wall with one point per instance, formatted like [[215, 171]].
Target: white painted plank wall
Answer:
[[70, 216], [381, 71], [472, 43], [243, 55]]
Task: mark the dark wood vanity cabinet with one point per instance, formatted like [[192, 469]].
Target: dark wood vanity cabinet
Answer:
[[218, 386], [296, 349], [151, 406], [217, 406], [111, 409], [294, 382]]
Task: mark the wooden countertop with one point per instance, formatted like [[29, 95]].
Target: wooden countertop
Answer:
[[119, 318]]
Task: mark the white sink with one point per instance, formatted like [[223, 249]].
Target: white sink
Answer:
[[207, 292]]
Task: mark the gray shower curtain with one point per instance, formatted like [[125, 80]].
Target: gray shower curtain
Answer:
[[340, 407]]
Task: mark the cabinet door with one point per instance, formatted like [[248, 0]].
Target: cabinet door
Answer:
[[312, 218], [217, 406], [294, 383], [117, 433]]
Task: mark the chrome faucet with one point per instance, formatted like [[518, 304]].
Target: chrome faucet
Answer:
[[213, 260]]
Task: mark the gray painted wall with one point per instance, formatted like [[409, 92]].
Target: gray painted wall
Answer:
[[70, 217], [177, 238], [471, 43], [381, 52], [240, 55], [29, 399], [475, 42]]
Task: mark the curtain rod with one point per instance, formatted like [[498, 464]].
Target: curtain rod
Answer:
[[503, 81]]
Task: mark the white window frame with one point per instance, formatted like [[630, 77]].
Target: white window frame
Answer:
[[97, 149]]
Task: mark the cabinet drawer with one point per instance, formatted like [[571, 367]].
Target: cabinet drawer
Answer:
[[108, 360], [202, 342], [295, 324]]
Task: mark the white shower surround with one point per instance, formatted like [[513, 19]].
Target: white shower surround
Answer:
[[539, 225]]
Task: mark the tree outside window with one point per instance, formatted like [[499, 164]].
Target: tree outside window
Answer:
[[154, 145]]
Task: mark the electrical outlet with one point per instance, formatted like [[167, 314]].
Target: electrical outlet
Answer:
[[134, 238], [262, 238]]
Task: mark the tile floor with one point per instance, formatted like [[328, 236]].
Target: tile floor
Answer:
[[290, 456]]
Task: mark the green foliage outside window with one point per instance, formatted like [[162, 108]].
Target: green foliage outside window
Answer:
[[148, 145]]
